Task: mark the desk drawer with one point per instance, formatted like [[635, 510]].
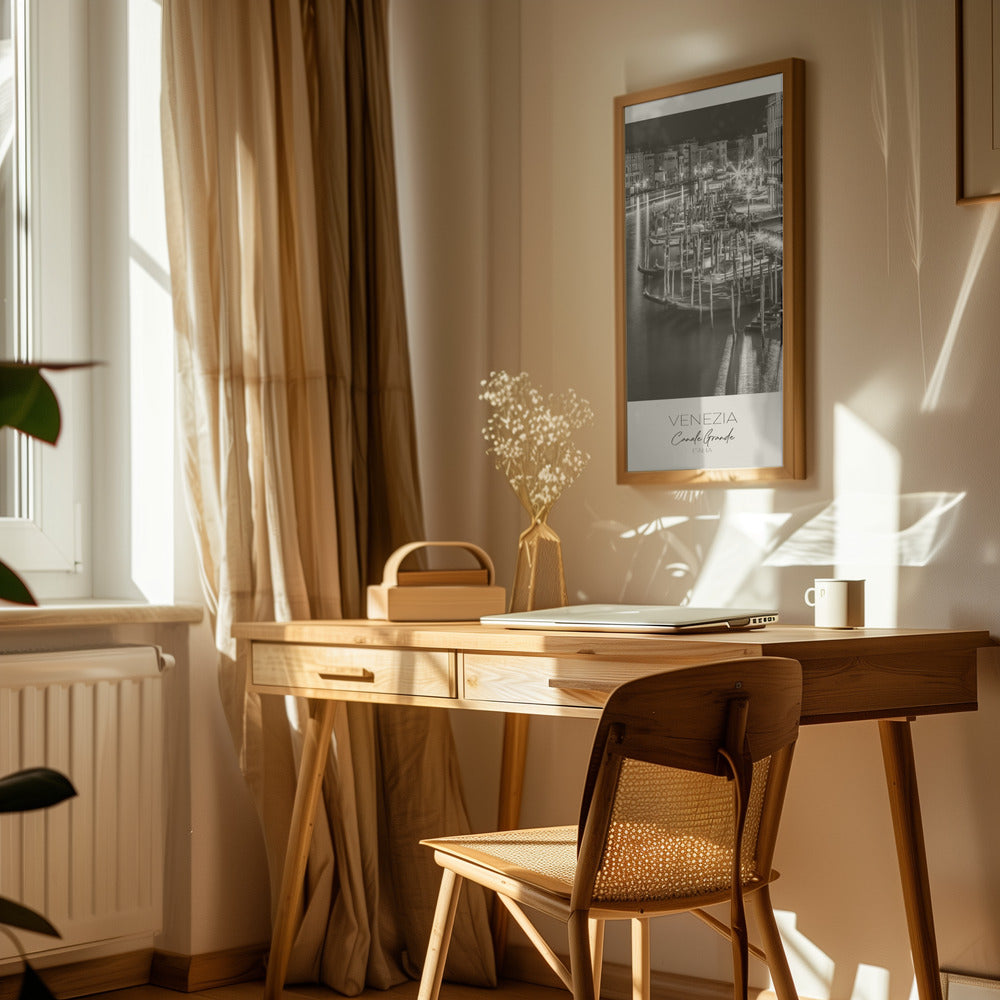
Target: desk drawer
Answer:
[[580, 682], [428, 673]]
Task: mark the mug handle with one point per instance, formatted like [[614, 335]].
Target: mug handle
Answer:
[[811, 603]]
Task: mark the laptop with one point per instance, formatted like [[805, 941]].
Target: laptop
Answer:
[[652, 618]]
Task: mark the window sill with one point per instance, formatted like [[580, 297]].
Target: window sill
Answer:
[[81, 614]]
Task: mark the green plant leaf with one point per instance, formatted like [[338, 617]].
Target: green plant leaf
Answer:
[[27, 402], [34, 788], [15, 915], [32, 987], [12, 587]]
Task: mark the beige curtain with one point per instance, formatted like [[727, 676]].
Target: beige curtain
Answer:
[[299, 455]]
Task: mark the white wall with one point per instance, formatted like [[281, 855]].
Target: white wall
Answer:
[[504, 132]]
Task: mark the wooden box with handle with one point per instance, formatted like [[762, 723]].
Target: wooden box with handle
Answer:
[[436, 595]]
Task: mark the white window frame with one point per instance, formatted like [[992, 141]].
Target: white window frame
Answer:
[[49, 547]]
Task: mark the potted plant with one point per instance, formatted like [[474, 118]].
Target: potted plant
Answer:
[[28, 404]]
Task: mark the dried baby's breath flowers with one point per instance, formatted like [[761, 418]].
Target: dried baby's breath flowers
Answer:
[[530, 438]]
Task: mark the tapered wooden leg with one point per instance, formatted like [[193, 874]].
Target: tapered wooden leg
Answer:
[[901, 779], [640, 959], [437, 947], [515, 746], [580, 964], [597, 952], [315, 747], [777, 961]]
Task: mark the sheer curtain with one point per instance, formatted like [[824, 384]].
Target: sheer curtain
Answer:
[[299, 453]]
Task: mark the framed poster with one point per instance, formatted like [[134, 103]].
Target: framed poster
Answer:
[[710, 279], [977, 89]]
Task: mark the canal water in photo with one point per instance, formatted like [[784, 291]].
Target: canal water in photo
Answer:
[[703, 301]]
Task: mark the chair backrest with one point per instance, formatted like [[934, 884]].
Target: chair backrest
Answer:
[[687, 775]]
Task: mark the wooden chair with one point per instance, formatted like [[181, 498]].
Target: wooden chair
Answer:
[[680, 810]]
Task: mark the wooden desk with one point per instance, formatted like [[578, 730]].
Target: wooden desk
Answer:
[[890, 675]]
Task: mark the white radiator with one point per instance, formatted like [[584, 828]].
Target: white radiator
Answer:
[[92, 865]]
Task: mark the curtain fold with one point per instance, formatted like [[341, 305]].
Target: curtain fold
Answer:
[[298, 435]]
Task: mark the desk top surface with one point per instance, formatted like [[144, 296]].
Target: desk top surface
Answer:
[[799, 641]]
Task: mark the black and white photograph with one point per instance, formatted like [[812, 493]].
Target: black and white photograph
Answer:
[[703, 255]]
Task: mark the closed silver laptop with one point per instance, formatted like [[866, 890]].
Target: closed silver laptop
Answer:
[[655, 618]]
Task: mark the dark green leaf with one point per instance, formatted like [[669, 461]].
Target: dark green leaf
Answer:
[[15, 915], [12, 587], [32, 987], [55, 366], [34, 788], [27, 402]]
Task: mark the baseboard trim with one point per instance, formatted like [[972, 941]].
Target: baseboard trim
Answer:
[[92, 975], [183, 973], [523, 963], [209, 970], [191, 973]]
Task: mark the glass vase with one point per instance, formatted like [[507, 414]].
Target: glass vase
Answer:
[[539, 581]]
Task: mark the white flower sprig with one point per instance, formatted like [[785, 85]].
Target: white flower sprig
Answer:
[[529, 438]]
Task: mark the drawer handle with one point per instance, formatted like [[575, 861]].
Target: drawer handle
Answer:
[[348, 674], [579, 684]]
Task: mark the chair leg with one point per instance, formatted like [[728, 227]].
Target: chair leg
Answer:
[[437, 947], [777, 962], [580, 964], [597, 951], [640, 959], [741, 959]]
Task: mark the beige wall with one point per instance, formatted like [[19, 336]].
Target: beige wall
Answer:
[[504, 113]]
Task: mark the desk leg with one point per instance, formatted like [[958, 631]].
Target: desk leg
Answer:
[[515, 745], [901, 780], [315, 746]]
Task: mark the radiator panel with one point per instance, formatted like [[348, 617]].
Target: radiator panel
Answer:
[[93, 865]]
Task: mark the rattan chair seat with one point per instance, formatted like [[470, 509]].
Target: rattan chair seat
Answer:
[[687, 866], [544, 857]]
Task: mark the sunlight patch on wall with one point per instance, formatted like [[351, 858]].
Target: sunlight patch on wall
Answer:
[[654, 527], [746, 527], [811, 968], [925, 521], [150, 328], [987, 223], [866, 475], [719, 555], [871, 983]]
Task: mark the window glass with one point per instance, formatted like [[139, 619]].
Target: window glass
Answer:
[[12, 498], [45, 268]]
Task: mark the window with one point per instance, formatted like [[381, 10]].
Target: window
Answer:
[[44, 281]]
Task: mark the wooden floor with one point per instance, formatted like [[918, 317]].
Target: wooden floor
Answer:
[[408, 991]]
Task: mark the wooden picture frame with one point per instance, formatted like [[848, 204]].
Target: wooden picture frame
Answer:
[[710, 280], [977, 92], [957, 986]]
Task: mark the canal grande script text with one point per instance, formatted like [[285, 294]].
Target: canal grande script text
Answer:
[[702, 438]]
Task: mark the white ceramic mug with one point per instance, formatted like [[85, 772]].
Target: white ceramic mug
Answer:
[[838, 603]]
